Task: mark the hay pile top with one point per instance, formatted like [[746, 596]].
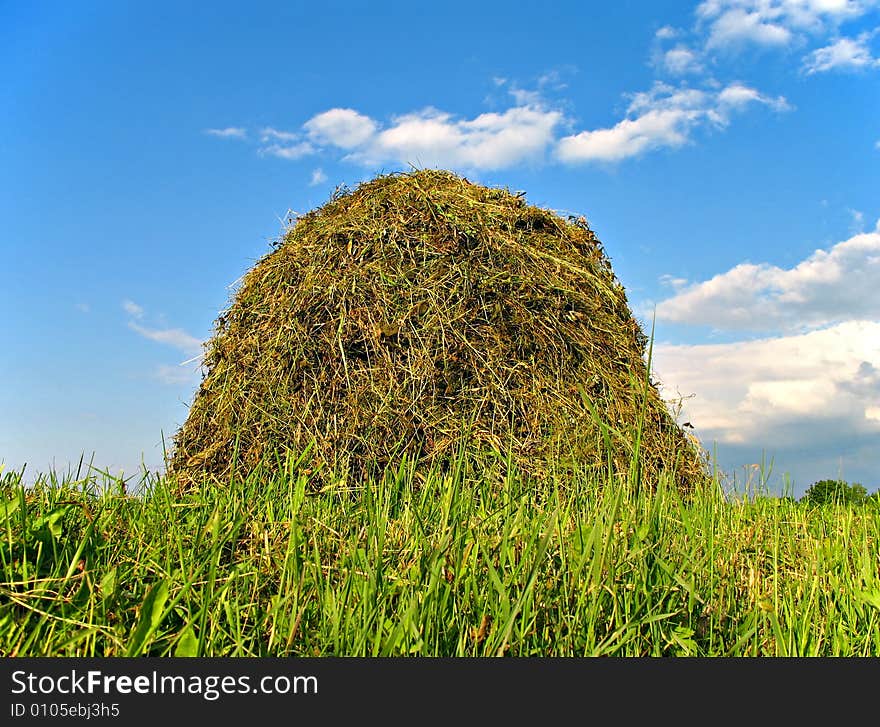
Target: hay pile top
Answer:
[[419, 313]]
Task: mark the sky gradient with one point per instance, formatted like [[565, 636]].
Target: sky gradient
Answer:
[[726, 152]]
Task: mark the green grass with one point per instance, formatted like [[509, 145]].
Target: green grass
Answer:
[[449, 564]]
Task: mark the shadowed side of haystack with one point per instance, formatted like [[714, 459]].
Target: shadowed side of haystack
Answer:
[[421, 313]]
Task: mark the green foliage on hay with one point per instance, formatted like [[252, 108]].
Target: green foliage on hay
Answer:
[[421, 314]]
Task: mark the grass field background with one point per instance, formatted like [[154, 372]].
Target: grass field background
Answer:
[[476, 561]]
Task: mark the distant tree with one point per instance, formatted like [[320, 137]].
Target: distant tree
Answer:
[[828, 492]]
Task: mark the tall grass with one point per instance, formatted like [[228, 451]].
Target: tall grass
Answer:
[[470, 562]]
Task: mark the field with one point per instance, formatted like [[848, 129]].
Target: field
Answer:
[[476, 561]]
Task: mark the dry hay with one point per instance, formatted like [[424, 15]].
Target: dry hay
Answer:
[[426, 315]]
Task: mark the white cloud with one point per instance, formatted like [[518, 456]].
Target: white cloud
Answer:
[[294, 151], [842, 54], [813, 390], [523, 97], [432, 137], [665, 116], [435, 138], [794, 391], [344, 128], [857, 224], [428, 137], [284, 144], [737, 96], [673, 282], [828, 287], [83, 307], [730, 23], [737, 25], [175, 337], [681, 60], [133, 309], [230, 132], [551, 81], [629, 137], [667, 32], [318, 177], [553, 78], [661, 117], [268, 134]]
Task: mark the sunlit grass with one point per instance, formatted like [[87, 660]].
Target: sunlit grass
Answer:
[[467, 563]]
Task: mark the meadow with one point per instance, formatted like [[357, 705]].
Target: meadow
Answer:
[[473, 561]]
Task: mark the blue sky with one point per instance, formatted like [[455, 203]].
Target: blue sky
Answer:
[[727, 153]]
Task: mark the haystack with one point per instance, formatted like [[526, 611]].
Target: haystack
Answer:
[[427, 316]]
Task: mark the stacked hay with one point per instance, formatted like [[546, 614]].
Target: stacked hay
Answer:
[[421, 313]]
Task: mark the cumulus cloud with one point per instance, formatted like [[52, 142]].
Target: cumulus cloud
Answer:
[[230, 132], [630, 137], [665, 116], [865, 384], [729, 23], [725, 27], [842, 54], [738, 25], [779, 391], [434, 137], [344, 128], [489, 141], [830, 286], [429, 137], [681, 60]]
